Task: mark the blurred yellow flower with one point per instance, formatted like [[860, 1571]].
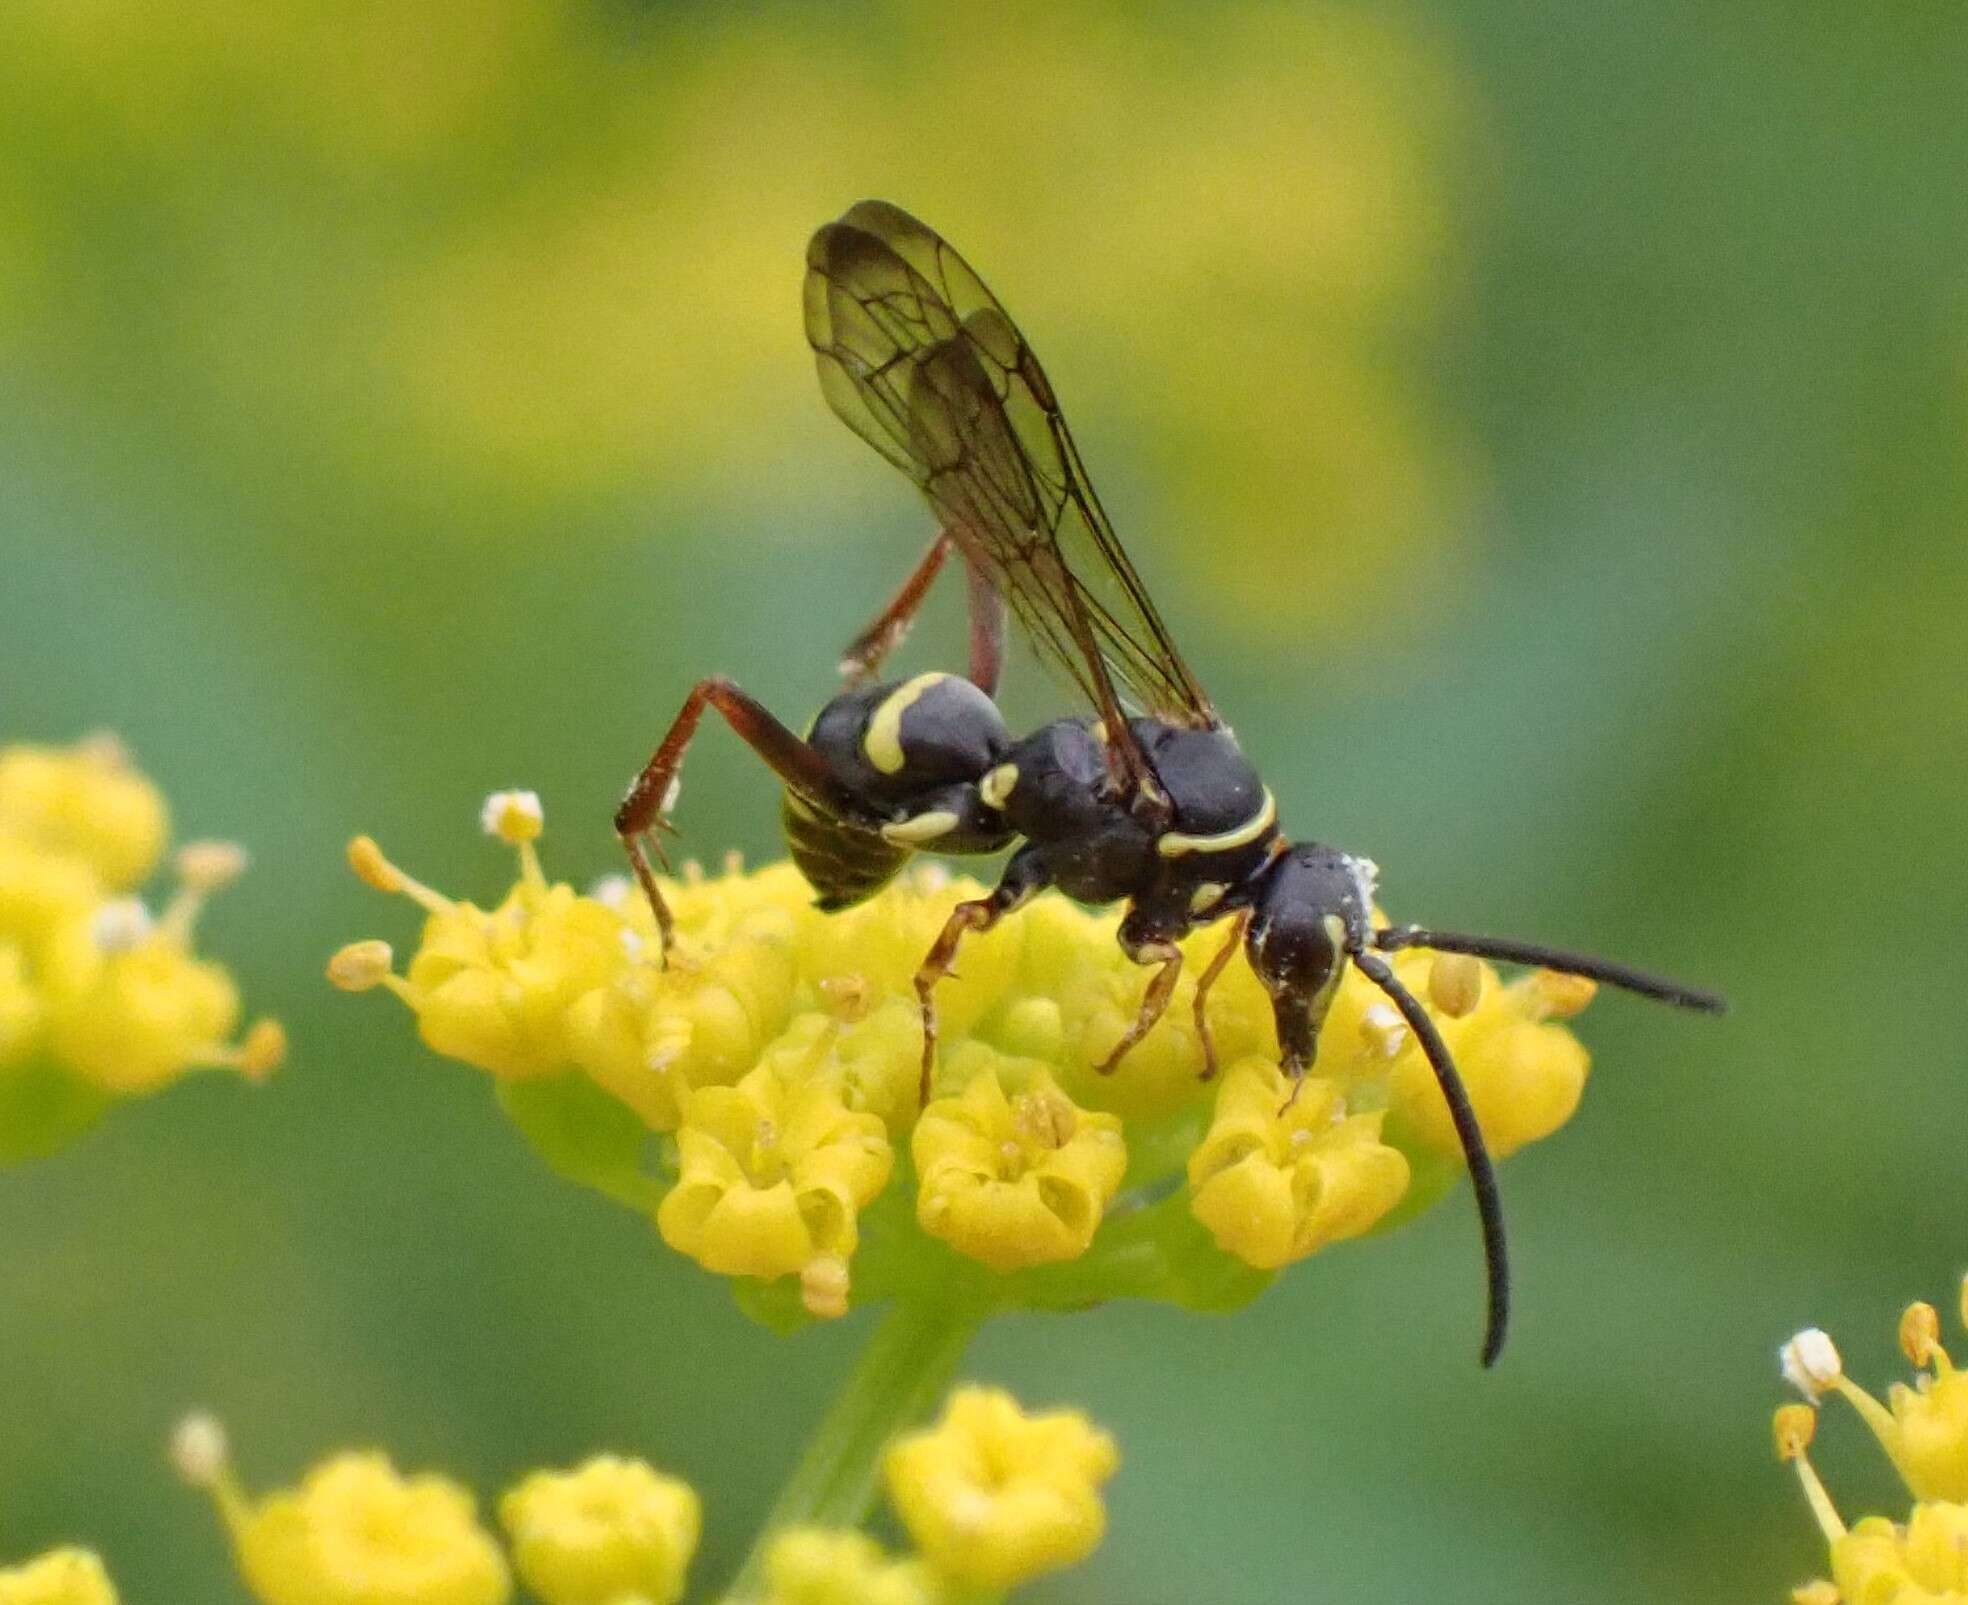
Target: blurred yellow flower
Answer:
[[98, 994], [772, 1176], [1285, 1170], [356, 1531], [609, 1532], [1012, 1172], [87, 802], [1924, 1431], [60, 1577], [995, 1497], [818, 1566]]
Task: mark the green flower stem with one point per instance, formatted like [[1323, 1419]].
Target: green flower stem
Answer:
[[904, 1370]]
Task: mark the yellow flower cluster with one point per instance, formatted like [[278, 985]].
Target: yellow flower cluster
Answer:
[[358, 1532], [65, 1576], [776, 1054], [1924, 1431], [992, 1496], [99, 997]]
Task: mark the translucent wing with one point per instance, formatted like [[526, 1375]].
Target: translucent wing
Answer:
[[919, 359]]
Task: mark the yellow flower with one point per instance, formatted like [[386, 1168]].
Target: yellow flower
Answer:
[[1924, 1431], [1924, 1562], [816, 1566], [610, 1532], [94, 987], [48, 906], [492, 988], [356, 1531], [1012, 1171], [877, 947], [772, 1176], [60, 1577], [1284, 1171], [1524, 1076], [792, 1016], [84, 802], [656, 1035], [995, 1497]]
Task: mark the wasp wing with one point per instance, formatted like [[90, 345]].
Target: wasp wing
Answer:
[[918, 358]]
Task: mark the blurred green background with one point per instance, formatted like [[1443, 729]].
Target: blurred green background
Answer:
[[1545, 425]]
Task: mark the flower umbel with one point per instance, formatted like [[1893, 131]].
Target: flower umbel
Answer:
[[1924, 1430], [773, 1056], [100, 998]]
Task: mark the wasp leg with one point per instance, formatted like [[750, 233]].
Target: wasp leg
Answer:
[[653, 791], [1154, 1001], [862, 660], [987, 629], [1024, 876], [1208, 979]]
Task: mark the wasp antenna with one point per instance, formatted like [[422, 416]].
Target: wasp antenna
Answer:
[[1392, 938], [1475, 1152]]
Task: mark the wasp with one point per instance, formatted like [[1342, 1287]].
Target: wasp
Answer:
[[1145, 799]]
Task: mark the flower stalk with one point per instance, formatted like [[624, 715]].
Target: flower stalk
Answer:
[[907, 1365]]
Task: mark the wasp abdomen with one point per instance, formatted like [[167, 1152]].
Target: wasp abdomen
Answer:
[[845, 863], [910, 755]]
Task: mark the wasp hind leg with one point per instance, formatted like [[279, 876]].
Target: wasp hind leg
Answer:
[[652, 793], [1024, 877], [862, 660]]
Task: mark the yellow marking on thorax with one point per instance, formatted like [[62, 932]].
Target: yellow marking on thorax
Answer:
[[1206, 896], [996, 787], [923, 828], [883, 742], [1174, 844]]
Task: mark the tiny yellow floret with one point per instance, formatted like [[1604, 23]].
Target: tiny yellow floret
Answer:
[[1285, 1170], [610, 1532], [1012, 1171], [772, 1176], [820, 1566], [358, 1532], [66, 1576], [995, 1497]]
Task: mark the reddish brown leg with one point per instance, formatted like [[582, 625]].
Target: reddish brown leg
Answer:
[[987, 629], [653, 792], [1215, 968], [1024, 876], [862, 660], [1154, 1002]]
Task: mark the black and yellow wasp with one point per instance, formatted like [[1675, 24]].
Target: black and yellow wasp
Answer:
[[1147, 801]]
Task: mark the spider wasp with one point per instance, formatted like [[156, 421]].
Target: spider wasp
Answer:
[[1147, 802]]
